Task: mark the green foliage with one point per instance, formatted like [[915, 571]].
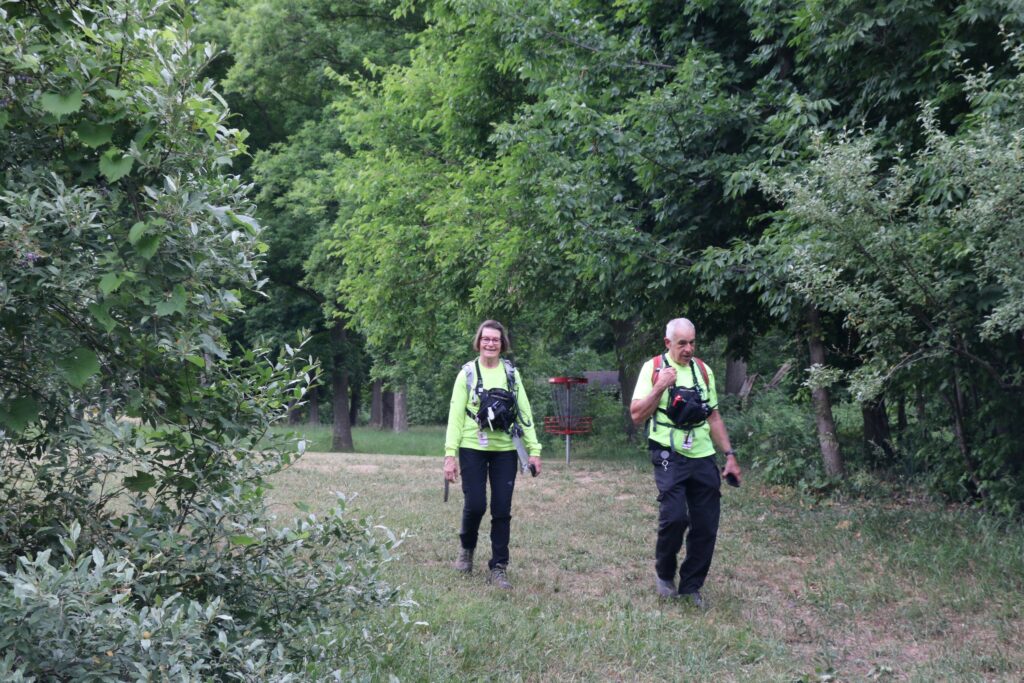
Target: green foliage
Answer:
[[132, 461], [912, 252], [83, 625], [776, 435], [586, 171], [282, 76]]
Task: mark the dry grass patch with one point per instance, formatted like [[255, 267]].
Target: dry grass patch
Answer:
[[798, 592]]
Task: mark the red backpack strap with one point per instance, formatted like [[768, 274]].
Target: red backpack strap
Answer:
[[657, 369], [703, 371]]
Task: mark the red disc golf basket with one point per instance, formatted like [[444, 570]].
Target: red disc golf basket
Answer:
[[570, 402]]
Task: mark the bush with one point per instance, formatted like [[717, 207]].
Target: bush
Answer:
[[80, 620], [84, 619], [134, 539], [778, 435]]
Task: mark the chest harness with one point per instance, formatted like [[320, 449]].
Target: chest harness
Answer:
[[497, 408], [687, 408]]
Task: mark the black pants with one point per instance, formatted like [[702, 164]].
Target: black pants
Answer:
[[501, 468], [689, 493]]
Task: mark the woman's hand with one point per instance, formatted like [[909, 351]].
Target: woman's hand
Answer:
[[535, 461], [451, 468]]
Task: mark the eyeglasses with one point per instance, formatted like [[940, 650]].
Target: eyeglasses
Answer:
[[490, 340]]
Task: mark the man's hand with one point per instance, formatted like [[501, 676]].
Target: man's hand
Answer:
[[451, 468], [535, 462], [666, 379], [642, 408], [732, 467]]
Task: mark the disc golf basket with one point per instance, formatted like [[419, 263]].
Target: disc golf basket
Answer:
[[569, 398]]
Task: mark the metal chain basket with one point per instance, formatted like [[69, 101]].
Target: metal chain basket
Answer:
[[569, 397]]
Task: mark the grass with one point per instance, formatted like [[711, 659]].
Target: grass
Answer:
[[799, 592], [429, 440], [419, 440]]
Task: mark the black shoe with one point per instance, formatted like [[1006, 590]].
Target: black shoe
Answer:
[[665, 589], [695, 598]]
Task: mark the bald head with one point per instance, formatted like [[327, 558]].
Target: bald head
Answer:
[[679, 326], [680, 340]]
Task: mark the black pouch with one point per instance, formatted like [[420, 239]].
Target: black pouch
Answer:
[[686, 408], [497, 410]]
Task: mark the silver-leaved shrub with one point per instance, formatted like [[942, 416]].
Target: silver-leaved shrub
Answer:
[[135, 541]]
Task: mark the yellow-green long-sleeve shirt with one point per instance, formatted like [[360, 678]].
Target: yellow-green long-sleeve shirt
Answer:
[[462, 429]]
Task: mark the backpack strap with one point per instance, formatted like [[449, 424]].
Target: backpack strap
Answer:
[[475, 382], [703, 372], [510, 378], [510, 374], [469, 370], [656, 369], [658, 361], [472, 377]]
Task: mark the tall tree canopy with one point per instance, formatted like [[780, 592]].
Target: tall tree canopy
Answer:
[[593, 164]]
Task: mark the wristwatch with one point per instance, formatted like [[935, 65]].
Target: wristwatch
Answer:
[[730, 452]]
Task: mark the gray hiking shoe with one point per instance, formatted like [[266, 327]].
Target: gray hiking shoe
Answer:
[[499, 578], [696, 598], [465, 562], [664, 588]]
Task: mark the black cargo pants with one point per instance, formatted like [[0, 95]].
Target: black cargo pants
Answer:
[[689, 495]]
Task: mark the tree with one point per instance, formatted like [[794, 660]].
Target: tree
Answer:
[[284, 62], [914, 252], [134, 451]]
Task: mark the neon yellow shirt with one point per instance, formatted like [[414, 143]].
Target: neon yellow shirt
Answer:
[[702, 446], [463, 431]]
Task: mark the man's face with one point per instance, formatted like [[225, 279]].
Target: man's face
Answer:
[[681, 344]]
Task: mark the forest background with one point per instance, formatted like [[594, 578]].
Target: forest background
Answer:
[[828, 187], [311, 219]]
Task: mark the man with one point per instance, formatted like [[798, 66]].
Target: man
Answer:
[[685, 472]]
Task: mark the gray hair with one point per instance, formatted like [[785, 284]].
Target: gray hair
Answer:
[[678, 322], [506, 346]]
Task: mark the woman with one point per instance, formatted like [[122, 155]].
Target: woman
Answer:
[[487, 452]]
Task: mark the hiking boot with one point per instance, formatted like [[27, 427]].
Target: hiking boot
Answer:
[[499, 578], [465, 562], [664, 587], [696, 598]]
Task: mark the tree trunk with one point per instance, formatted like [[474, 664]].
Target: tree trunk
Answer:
[[822, 400], [735, 375], [876, 428], [779, 375], [955, 399], [401, 423], [377, 405], [314, 406], [294, 413], [387, 410], [901, 414], [357, 403], [341, 432], [623, 332]]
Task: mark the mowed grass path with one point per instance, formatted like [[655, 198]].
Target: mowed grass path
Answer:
[[868, 591]]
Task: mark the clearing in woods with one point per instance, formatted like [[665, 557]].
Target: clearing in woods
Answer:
[[867, 590]]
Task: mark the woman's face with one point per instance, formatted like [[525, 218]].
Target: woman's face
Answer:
[[490, 343]]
